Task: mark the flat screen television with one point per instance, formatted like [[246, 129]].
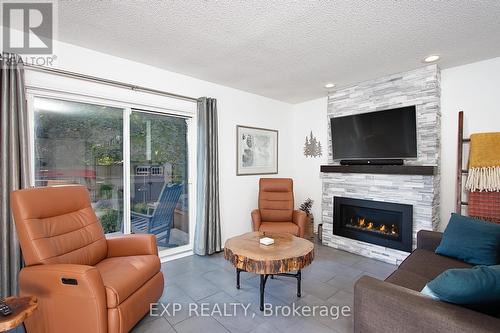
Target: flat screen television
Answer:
[[387, 134]]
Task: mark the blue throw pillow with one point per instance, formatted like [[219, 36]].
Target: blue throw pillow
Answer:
[[471, 240], [477, 287]]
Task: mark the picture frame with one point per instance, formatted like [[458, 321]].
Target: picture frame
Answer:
[[256, 151]]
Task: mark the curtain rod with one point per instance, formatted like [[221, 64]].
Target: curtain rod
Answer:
[[108, 82]]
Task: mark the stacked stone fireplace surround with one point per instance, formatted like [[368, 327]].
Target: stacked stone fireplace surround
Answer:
[[420, 87]]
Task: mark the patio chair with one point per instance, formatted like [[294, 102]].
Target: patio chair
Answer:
[[161, 221]]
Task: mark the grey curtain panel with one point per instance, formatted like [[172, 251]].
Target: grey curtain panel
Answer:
[[207, 237], [14, 164]]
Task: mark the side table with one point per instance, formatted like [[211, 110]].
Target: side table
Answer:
[[22, 308]]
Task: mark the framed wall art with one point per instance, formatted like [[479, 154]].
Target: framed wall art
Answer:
[[256, 151]]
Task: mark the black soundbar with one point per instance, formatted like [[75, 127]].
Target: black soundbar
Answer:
[[372, 162]]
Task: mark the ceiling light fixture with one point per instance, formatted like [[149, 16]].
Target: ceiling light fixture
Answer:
[[432, 58], [329, 85]]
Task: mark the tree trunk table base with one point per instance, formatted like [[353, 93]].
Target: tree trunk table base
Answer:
[[287, 254]]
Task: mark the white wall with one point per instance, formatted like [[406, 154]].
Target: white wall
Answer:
[[474, 89], [309, 116], [238, 194]]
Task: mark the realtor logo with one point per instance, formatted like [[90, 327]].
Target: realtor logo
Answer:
[[28, 27]]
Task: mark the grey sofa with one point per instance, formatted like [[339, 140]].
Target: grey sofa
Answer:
[[396, 305]]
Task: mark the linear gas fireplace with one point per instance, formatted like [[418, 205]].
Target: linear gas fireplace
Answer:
[[382, 223]]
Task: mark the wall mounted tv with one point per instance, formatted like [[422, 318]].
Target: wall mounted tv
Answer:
[[387, 134]]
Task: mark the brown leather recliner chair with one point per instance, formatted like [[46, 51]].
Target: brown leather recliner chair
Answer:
[[84, 281], [276, 213]]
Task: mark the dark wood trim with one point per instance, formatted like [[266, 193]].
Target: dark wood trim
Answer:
[[460, 148], [461, 141], [423, 170]]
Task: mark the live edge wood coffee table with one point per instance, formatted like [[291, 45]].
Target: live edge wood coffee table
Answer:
[[287, 254]]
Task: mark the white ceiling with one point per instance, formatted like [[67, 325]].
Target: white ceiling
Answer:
[[285, 50]]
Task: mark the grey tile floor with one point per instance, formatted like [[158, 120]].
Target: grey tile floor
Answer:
[[195, 283]]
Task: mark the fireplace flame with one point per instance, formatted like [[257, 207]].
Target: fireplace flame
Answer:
[[386, 229]]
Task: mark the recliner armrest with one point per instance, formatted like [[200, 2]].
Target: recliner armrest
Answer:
[[382, 307], [256, 220], [68, 296], [131, 245], [300, 219]]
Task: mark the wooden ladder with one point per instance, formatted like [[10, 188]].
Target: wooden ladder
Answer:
[[461, 172]]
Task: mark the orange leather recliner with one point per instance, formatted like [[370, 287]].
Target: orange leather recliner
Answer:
[[276, 213], [84, 281]]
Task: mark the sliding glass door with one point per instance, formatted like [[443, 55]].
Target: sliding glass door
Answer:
[[159, 198], [134, 163], [79, 143]]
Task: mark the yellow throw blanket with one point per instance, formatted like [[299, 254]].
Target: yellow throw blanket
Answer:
[[484, 162]]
